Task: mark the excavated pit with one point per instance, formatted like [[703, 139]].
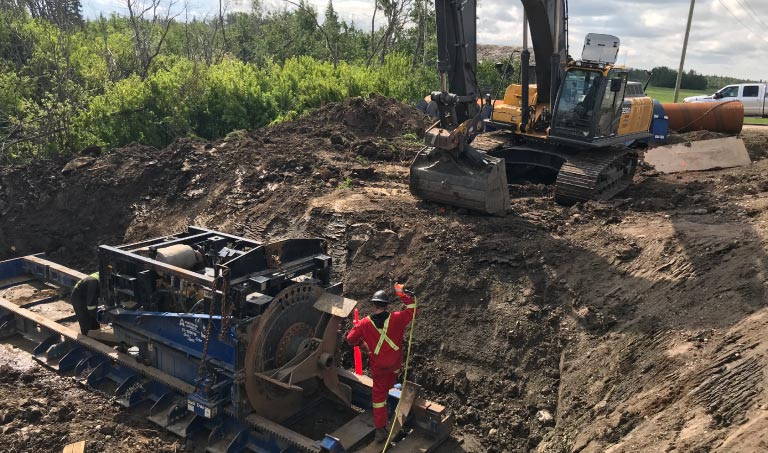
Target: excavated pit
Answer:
[[636, 324]]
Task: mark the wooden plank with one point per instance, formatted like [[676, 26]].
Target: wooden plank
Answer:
[[354, 431], [407, 398], [104, 337], [101, 348], [416, 442], [75, 275], [77, 447], [373, 447], [420, 403], [700, 155]]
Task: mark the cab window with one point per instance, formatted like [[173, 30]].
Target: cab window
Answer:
[[751, 91], [730, 92], [578, 101], [610, 109]]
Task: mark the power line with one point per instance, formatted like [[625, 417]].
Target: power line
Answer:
[[742, 22], [746, 4]]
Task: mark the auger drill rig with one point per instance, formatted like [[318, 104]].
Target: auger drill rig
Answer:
[[574, 120]]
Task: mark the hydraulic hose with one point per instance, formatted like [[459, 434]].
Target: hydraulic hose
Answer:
[[405, 376]]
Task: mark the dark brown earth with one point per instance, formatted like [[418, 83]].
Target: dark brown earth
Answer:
[[631, 325], [42, 412]]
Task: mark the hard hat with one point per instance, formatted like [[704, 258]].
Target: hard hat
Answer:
[[380, 298]]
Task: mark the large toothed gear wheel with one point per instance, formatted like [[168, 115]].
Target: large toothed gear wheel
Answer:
[[286, 329]]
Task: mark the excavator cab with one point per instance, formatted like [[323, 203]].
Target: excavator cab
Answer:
[[590, 110], [589, 106]]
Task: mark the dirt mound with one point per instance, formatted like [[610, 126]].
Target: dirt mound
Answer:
[[63, 208], [632, 325], [694, 136], [756, 140], [373, 116]]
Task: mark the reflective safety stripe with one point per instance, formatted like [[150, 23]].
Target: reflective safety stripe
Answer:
[[92, 307], [379, 405], [383, 336], [411, 306], [94, 275]]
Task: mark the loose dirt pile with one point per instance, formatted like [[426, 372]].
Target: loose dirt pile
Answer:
[[631, 325], [254, 182], [41, 412]]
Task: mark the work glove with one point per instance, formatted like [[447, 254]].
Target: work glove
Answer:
[[405, 295]]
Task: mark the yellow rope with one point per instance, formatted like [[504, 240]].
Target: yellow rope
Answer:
[[405, 378]]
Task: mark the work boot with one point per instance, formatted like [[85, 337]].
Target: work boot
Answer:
[[381, 435]]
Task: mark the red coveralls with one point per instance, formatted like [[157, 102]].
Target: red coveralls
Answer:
[[386, 346]]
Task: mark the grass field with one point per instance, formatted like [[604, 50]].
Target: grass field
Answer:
[[668, 94]]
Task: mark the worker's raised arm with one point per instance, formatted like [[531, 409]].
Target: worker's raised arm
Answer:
[[409, 300], [355, 336]]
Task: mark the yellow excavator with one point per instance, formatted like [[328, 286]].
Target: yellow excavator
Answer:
[[573, 119]]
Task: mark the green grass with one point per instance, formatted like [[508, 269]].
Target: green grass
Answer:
[[668, 94]]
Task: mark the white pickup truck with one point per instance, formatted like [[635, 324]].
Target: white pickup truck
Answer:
[[754, 96]]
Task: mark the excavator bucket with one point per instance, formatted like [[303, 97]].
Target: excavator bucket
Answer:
[[470, 180]]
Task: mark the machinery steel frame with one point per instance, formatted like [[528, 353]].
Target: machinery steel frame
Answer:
[[164, 373]]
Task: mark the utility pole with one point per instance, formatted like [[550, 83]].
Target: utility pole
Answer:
[[685, 47]]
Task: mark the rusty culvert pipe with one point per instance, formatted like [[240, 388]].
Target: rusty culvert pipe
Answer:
[[726, 117]]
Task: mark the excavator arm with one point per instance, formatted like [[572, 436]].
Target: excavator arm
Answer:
[[457, 53], [456, 61], [548, 22]]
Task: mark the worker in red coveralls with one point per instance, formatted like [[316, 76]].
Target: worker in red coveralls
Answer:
[[382, 335]]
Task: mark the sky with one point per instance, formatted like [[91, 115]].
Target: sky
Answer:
[[728, 37]]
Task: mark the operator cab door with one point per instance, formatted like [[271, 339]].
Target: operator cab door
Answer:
[[610, 109], [752, 98]]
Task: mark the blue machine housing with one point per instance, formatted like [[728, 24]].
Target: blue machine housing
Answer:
[[141, 284], [182, 328], [659, 124]]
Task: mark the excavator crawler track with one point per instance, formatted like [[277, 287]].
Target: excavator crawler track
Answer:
[[590, 174], [598, 174]]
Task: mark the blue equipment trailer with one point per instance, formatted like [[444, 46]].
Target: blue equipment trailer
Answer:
[[217, 334]]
